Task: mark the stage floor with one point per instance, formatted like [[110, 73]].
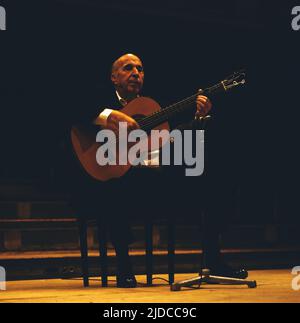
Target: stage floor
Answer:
[[272, 286]]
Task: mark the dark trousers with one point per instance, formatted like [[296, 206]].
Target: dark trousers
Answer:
[[207, 200], [119, 201]]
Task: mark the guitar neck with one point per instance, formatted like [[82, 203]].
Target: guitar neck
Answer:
[[159, 117]]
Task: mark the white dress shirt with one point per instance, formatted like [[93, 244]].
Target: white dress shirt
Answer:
[[102, 121]]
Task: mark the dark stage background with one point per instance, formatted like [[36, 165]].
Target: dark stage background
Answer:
[[54, 52]]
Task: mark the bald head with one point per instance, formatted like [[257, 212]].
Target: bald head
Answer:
[[118, 62], [127, 75]]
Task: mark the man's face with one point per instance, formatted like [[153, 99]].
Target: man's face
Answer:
[[128, 75]]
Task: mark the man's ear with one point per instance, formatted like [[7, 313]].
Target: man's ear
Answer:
[[113, 78]]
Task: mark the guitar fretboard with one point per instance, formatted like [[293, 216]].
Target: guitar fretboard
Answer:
[[167, 113]]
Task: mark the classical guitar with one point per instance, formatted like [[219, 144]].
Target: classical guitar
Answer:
[[149, 116]]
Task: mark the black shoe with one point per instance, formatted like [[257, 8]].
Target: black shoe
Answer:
[[126, 281], [227, 271]]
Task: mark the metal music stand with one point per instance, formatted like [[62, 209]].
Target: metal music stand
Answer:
[[204, 275]]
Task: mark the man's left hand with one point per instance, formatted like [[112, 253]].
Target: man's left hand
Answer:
[[203, 106]]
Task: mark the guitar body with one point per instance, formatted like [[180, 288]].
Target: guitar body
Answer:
[[86, 147]]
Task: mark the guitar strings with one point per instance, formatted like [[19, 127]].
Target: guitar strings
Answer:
[[160, 116], [165, 113]]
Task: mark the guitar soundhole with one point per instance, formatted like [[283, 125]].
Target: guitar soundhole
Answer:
[[138, 117]]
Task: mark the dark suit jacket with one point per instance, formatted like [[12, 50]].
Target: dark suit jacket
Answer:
[[83, 108]]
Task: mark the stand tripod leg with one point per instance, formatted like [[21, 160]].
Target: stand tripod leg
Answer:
[[186, 283], [207, 278], [229, 281]]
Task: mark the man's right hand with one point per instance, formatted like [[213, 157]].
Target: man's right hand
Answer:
[[116, 117]]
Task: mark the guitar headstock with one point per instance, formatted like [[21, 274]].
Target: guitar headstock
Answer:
[[235, 79]]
